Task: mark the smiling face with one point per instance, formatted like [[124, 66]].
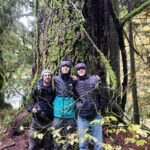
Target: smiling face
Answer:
[[65, 69], [47, 78], [81, 72]]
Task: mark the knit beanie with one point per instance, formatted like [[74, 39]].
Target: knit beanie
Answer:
[[45, 71]]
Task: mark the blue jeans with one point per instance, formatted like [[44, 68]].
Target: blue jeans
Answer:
[[94, 128]]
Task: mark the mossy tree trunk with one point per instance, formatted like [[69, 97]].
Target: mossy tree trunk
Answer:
[[114, 54], [96, 15]]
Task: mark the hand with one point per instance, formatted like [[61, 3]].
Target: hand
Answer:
[[34, 110], [74, 77], [97, 77]]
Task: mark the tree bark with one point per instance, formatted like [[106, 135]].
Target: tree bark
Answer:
[[133, 73], [1, 80], [36, 59], [115, 52], [119, 29], [97, 14]]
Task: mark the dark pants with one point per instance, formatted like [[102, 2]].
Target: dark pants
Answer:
[[67, 126], [35, 142]]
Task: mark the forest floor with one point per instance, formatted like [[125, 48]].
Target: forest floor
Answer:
[[20, 142], [114, 138]]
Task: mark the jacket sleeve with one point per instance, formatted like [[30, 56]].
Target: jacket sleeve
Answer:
[[74, 91], [31, 105], [53, 95], [103, 97]]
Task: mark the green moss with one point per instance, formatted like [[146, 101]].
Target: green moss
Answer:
[[70, 34], [2, 82], [134, 12]]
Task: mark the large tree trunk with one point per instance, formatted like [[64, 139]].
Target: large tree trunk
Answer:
[[97, 14]]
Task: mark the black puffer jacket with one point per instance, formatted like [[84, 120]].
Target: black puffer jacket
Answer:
[[42, 100], [64, 86], [64, 83], [90, 99]]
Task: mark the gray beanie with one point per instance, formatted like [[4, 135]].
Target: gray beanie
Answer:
[[45, 71]]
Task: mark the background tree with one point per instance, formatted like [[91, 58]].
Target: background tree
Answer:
[[133, 72], [15, 47]]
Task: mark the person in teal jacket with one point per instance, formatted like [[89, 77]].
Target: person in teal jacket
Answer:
[[64, 105]]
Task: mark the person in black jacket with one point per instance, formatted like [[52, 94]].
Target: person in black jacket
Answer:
[[90, 104], [42, 110]]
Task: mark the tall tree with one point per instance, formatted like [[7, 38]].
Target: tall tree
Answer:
[[114, 54], [133, 72], [14, 45], [5, 17]]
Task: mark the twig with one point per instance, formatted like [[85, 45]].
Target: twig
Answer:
[[132, 45], [7, 146]]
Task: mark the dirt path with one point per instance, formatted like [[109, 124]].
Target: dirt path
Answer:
[[16, 143]]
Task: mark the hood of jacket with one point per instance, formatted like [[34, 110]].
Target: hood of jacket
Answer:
[[79, 66], [65, 76]]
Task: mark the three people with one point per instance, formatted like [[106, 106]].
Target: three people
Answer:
[[42, 109], [91, 102]]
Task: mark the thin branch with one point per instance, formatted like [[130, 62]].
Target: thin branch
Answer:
[[7, 146], [25, 15], [132, 45], [16, 90]]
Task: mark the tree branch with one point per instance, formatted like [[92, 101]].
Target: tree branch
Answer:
[[132, 46], [136, 11]]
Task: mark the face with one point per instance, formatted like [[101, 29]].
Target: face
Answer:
[[81, 72], [47, 77], [65, 69]]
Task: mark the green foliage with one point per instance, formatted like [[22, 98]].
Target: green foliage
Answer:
[[38, 135], [141, 142], [133, 134], [15, 43], [27, 121], [2, 82]]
